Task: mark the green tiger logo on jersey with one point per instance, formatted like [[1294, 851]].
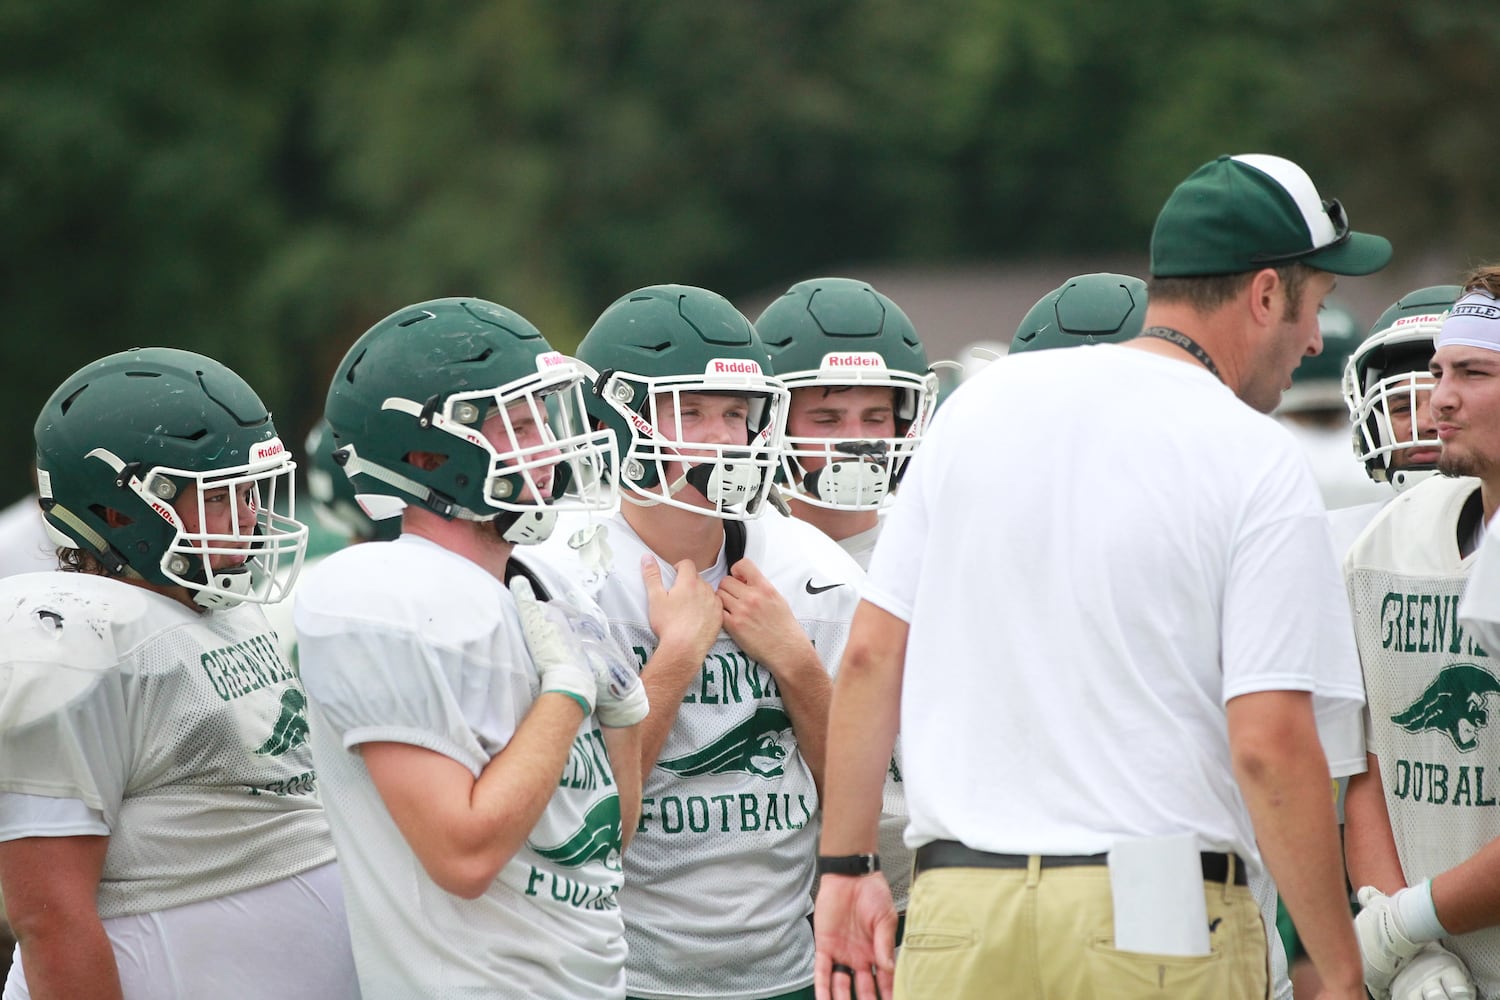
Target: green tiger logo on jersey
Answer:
[[754, 747], [1456, 703], [598, 839], [290, 731]]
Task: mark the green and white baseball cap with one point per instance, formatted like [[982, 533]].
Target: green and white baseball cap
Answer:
[[1243, 213]]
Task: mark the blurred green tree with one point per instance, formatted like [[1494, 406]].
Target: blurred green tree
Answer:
[[261, 182]]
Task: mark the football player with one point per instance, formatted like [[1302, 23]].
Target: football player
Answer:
[[862, 394], [735, 618], [1101, 308], [160, 835], [1388, 390], [480, 758], [1418, 824]]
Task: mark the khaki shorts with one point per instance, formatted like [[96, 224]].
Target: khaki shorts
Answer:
[[1033, 932]]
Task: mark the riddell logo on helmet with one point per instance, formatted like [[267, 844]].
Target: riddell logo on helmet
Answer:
[[267, 449], [854, 359], [1425, 318], [724, 366], [164, 512], [641, 426], [550, 359]]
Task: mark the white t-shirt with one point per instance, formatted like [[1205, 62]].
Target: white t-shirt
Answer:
[[1431, 690], [408, 642], [1083, 605], [182, 736], [717, 879]]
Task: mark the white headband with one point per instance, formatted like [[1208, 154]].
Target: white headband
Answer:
[[1474, 321]]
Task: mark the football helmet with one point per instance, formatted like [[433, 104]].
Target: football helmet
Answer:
[[126, 439], [1101, 308], [332, 494], [1391, 365], [836, 334], [427, 380], [650, 348]]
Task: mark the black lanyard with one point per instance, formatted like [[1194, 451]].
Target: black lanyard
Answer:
[[1185, 342]]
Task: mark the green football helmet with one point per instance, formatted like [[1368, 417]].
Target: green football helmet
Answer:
[[125, 440], [1099, 308], [655, 345], [446, 379], [835, 334], [332, 493], [1318, 382], [1390, 369]]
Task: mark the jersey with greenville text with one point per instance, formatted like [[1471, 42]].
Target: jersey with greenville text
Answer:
[[1430, 688], [186, 731], [408, 642], [717, 879]]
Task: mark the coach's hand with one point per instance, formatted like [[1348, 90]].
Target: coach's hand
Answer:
[[855, 926], [1385, 945], [554, 648], [1434, 973]]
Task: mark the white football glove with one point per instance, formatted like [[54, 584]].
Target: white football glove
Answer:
[[1384, 943], [1434, 973], [554, 648], [619, 696]]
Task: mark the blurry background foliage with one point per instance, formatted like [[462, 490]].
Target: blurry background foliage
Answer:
[[261, 181]]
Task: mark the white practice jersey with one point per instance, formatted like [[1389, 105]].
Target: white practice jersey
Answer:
[[408, 642], [717, 879], [184, 732], [1429, 688]]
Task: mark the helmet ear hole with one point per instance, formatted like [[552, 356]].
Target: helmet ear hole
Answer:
[[111, 517]]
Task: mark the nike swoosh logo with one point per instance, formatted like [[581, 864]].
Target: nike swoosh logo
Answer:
[[818, 590]]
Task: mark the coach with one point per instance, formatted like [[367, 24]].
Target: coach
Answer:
[[1107, 606]]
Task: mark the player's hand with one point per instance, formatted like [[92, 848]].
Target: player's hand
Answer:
[[1384, 943], [855, 926], [759, 619], [688, 615], [1434, 973], [554, 648]]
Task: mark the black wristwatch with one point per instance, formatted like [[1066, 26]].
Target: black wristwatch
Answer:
[[848, 864]]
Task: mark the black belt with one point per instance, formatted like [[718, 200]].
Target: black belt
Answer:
[[952, 854]]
